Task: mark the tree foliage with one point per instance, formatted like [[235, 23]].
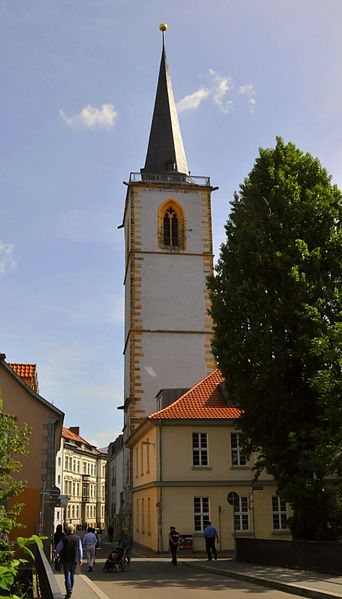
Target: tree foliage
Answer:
[[276, 306], [14, 442]]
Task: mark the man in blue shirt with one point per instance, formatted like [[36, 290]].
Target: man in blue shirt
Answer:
[[210, 535], [69, 548]]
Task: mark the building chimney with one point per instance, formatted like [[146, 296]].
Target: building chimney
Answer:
[[75, 429]]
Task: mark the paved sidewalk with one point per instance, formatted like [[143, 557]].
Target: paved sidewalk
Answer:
[[84, 588]]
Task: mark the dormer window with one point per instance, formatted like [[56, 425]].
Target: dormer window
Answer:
[[171, 165]]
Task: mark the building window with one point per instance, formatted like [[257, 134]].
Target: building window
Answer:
[[199, 449], [149, 515], [136, 462], [141, 460], [241, 514], [171, 225], [201, 513], [279, 513], [137, 521], [238, 459], [148, 456]]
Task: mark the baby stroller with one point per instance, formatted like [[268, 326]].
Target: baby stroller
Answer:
[[117, 560]]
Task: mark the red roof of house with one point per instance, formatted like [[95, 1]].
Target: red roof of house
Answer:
[[28, 372], [204, 400], [24, 370], [68, 434]]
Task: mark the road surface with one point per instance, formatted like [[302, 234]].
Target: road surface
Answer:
[[157, 578]]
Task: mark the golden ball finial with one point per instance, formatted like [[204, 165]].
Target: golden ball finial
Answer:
[[163, 26]]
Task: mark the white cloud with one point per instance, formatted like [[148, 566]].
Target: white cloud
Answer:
[[247, 89], [92, 118], [193, 101], [219, 91], [222, 85], [7, 261]]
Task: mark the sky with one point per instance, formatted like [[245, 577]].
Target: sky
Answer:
[[78, 81]]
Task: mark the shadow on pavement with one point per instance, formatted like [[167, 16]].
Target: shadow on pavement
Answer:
[[159, 572]]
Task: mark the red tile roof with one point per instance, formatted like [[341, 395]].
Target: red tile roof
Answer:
[[24, 370], [68, 434], [204, 400], [28, 372]]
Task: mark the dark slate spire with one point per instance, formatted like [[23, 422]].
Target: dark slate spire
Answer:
[[165, 152]]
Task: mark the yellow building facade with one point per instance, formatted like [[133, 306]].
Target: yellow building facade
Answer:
[[188, 469]]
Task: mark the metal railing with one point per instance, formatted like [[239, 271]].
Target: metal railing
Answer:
[[169, 178]]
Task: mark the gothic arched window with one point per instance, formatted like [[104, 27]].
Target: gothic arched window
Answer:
[[171, 226]]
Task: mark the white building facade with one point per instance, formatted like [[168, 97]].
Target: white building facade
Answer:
[[81, 478]]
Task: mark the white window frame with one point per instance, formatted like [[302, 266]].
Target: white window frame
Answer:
[[241, 515], [279, 513], [237, 457], [201, 513], [200, 449]]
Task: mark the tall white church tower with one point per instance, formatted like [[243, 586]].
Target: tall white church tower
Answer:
[[169, 254]]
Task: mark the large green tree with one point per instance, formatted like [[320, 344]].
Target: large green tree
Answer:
[[276, 306]]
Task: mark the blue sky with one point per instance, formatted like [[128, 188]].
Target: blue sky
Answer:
[[78, 80]]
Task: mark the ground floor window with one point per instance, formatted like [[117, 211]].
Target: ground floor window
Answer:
[[241, 514], [201, 513]]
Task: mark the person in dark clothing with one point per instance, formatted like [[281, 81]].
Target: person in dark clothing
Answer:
[[58, 535], [210, 535], [69, 548], [110, 533], [126, 542], [174, 542]]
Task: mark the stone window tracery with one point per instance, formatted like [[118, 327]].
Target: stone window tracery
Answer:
[[171, 226]]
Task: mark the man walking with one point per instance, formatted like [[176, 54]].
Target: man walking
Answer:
[[69, 548], [210, 535], [89, 543]]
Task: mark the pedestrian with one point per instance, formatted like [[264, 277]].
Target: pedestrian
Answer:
[[89, 544], [58, 535], [99, 537], [174, 542], [69, 549], [210, 535], [126, 542], [110, 533]]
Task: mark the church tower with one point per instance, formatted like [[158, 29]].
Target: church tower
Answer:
[[169, 254]]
